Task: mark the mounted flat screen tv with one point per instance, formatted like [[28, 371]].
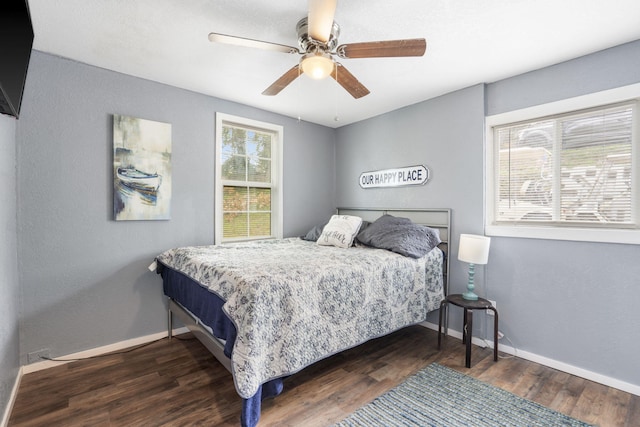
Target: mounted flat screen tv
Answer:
[[16, 40]]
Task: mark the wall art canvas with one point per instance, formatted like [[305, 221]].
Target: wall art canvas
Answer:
[[141, 169]]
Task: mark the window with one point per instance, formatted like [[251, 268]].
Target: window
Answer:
[[248, 179], [554, 176]]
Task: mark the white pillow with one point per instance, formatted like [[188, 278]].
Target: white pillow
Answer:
[[340, 231]]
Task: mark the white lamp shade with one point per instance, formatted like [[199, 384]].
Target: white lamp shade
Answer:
[[317, 65], [474, 249]]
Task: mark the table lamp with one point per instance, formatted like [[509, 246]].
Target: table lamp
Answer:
[[474, 250]]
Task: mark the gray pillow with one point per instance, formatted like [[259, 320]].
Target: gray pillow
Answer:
[[313, 234], [400, 235]]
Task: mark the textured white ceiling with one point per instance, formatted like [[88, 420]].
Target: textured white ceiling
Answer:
[[468, 42]]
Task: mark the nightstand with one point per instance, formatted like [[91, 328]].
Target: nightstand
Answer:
[[467, 331]]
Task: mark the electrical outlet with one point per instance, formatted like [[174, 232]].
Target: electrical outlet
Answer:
[[38, 356], [495, 305]]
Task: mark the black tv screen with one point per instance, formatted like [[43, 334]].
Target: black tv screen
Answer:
[[16, 40]]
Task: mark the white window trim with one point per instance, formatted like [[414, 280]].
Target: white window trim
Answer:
[[277, 150], [625, 236]]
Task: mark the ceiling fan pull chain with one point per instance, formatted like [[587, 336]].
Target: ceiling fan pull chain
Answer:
[[335, 101], [299, 97]]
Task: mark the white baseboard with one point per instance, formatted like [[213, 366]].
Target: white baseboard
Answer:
[[555, 364], [12, 399], [45, 364]]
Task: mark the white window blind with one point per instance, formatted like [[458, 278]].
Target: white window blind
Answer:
[[565, 170]]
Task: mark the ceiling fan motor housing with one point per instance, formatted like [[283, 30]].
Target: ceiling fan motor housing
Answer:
[[309, 44]]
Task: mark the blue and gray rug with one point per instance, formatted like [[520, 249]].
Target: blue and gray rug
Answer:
[[439, 396]]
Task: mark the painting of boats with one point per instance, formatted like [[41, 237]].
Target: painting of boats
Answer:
[[141, 169], [138, 180]]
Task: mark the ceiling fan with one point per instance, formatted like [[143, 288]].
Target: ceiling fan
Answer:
[[318, 44]]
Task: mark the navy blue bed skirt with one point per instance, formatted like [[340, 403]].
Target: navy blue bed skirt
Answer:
[[207, 306]]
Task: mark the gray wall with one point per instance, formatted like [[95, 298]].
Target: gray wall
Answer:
[[84, 277], [9, 289], [446, 135], [573, 302]]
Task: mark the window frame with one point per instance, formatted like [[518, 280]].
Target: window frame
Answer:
[[276, 186], [624, 234]]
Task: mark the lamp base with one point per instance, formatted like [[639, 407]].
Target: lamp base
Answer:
[[470, 296]]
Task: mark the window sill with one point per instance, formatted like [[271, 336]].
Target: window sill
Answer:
[[601, 235]]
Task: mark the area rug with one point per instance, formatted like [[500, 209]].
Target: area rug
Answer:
[[439, 396]]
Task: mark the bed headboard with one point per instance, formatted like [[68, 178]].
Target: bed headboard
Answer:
[[439, 219]]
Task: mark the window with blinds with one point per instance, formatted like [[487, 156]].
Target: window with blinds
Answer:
[[566, 169], [247, 181]]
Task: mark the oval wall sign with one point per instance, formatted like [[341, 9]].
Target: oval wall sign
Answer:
[[410, 175]]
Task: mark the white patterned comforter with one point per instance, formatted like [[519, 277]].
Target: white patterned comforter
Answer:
[[294, 302]]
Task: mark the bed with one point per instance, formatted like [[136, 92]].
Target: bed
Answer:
[[267, 309]]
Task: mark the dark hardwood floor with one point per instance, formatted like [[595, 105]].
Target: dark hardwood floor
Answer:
[[178, 383]]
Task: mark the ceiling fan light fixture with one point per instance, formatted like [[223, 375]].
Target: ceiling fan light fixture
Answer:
[[317, 65]]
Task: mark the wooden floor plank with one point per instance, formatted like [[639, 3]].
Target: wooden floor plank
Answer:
[[552, 387], [532, 381], [633, 413], [177, 382], [569, 394], [590, 404], [616, 407]]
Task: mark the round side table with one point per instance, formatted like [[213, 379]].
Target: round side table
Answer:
[[467, 331]]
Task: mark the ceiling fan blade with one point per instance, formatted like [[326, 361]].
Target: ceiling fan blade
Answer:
[[348, 81], [241, 41], [283, 81], [320, 19], [381, 49]]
